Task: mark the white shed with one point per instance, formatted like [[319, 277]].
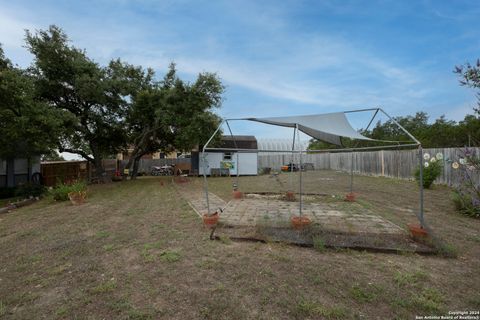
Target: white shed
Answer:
[[230, 161]]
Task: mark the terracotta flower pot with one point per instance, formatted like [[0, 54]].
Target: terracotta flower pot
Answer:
[[210, 221], [350, 197], [237, 194], [77, 197], [299, 222], [418, 232], [290, 196]]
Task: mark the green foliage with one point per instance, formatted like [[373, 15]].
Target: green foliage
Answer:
[[470, 77], [362, 294], [173, 114], [105, 287], [28, 127], [409, 278], [312, 308], [466, 196], [430, 173], [94, 98], [170, 256], [465, 204], [319, 244], [429, 300], [61, 191], [3, 309], [29, 189]]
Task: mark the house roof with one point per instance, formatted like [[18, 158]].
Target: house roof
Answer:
[[239, 142]]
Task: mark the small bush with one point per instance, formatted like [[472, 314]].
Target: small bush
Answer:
[[430, 173], [466, 204], [29, 190], [61, 191]]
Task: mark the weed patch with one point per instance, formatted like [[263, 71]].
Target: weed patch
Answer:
[[170, 256], [105, 287], [409, 278], [429, 300], [363, 293], [311, 308]]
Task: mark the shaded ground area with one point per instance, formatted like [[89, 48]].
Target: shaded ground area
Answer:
[[137, 250]]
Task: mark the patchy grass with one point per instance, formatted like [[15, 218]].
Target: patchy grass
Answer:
[[363, 294], [315, 309], [3, 309], [170, 256], [409, 278], [106, 286], [134, 251], [428, 300], [319, 244]]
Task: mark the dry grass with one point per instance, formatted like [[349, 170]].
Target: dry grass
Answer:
[[137, 251]]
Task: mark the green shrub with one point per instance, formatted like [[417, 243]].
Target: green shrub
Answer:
[[61, 191], [430, 173], [29, 190], [466, 204]]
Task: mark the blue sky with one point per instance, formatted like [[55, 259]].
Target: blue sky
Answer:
[[279, 57]]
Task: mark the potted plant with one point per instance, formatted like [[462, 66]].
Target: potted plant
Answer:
[[299, 222], [211, 220], [290, 196], [418, 232], [350, 197], [237, 194], [78, 193]]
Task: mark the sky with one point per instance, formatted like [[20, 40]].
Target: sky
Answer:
[[279, 58]]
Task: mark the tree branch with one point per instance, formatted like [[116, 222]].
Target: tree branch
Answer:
[[80, 152]]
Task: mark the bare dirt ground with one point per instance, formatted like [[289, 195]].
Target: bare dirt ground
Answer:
[[137, 250]]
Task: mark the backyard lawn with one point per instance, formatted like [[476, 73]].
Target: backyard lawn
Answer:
[[136, 250]]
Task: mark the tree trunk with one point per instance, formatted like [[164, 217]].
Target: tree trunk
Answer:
[[136, 163], [98, 163], [128, 166]]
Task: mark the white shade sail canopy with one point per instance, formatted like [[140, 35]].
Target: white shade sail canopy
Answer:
[[328, 127]]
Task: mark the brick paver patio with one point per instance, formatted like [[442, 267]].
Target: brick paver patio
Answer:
[[268, 217]]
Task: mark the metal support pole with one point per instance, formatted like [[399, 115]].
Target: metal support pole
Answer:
[[205, 183], [420, 154], [351, 174], [237, 183], [301, 184], [291, 163]]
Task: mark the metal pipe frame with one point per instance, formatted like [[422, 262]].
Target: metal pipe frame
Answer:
[[205, 182], [319, 150], [237, 153], [293, 158], [401, 144]]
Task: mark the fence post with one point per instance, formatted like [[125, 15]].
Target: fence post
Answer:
[[420, 156], [382, 158]]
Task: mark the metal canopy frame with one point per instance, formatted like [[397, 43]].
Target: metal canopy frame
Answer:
[[399, 144]]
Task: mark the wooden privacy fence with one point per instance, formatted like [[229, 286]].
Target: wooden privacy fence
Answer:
[[387, 163], [67, 171], [64, 171]]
